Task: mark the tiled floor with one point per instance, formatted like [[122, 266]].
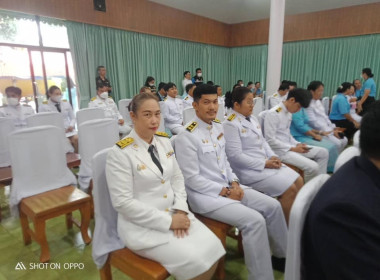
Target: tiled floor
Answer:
[[67, 247]]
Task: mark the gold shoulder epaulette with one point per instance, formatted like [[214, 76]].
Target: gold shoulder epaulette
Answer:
[[125, 142], [64, 100], [45, 102], [279, 109], [275, 95], [216, 121], [231, 117], [165, 98], [110, 97], [192, 126], [162, 134], [93, 99], [186, 97]]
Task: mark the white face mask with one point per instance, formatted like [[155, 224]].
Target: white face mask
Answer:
[[12, 101], [151, 85], [199, 75], [56, 98], [104, 94], [242, 85]]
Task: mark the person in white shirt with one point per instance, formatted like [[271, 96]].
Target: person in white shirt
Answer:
[[279, 96], [55, 103], [173, 109], [186, 80], [102, 100], [188, 100], [352, 99], [320, 121], [14, 109], [219, 91], [312, 160]]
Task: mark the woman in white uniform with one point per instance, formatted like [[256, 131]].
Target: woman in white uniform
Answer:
[[251, 158], [148, 192]]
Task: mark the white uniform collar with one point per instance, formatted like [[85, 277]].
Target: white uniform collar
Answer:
[[141, 142], [203, 125]]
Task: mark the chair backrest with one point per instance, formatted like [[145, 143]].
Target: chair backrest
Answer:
[[188, 115], [106, 238], [89, 114], [123, 110], [345, 156], [94, 136], [38, 162], [261, 119], [356, 139], [46, 118], [221, 111], [326, 104], [6, 127], [50, 118], [162, 122], [258, 106], [298, 214]]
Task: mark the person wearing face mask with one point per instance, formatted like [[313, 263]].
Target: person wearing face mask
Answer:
[[198, 78], [55, 103], [101, 80], [150, 82], [102, 100], [240, 82], [14, 109]]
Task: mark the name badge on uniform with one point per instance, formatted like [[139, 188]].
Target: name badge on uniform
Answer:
[[220, 136], [168, 155], [140, 167]]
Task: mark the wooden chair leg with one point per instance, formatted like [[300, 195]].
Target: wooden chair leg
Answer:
[[25, 228], [240, 244], [85, 212], [69, 220], [222, 235], [105, 271], [40, 235]]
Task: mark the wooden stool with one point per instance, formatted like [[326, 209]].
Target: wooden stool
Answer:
[[133, 265], [5, 179], [51, 204], [73, 160]]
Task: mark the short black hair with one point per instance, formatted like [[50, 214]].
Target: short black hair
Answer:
[[238, 81], [302, 96], [237, 95], [368, 71], [370, 132], [16, 90], [250, 83], [283, 86], [314, 85], [161, 86], [210, 83], [285, 82], [196, 70], [99, 86], [185, 73], [257, 83], [292, 83], [169, 86], [100, 67], [189, 87], [203, 89], [344, 87]]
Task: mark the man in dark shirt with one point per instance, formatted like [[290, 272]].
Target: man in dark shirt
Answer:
[[341, 238], [101, 80], [161, 93]]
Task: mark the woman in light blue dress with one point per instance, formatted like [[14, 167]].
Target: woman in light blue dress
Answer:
[[303, 133]]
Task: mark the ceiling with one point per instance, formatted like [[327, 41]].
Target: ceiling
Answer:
[[237, 11]]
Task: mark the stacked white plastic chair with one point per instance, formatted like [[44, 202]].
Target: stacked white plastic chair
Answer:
[[162, 122], [88, 114], [123, 109], [188, 115], [50, 118], [298, 214], [94, 136], [258, 106], [356, 139], [6, 127]]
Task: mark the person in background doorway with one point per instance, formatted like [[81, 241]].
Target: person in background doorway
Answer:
[[101, 79], [198, 76]]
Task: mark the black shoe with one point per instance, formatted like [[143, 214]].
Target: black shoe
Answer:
[[278, 264]]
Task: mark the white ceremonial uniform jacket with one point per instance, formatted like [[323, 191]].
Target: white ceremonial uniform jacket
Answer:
[[173, 112], [317, 116], [276, 99], [277, 129], [200, 151], [108, 105], [188, 102], [143, 197], [246, 148], [18, 113], [66, 111]]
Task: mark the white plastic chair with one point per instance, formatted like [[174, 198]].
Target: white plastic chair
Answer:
[[298, 214], [220, 115], [188, 115], [326, 104], [89, 114], [38, 162], [258, 106], [106, 238], [94, 136], [123, 109], [6, 127], [345, 156], [162, 122], [50, 118], [261, 119], [356, 139]]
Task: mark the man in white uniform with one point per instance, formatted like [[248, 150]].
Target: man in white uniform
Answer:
[[102, 100], [279, 96], [173, 109], [188, 100], [14, 109], [214, 191], [312, 160]]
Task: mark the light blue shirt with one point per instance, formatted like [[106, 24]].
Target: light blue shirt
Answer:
[[359, 92], [370, 84], [300, 123], [339, 107]]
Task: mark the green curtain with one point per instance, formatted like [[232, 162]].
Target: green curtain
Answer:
[[130, 57]]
